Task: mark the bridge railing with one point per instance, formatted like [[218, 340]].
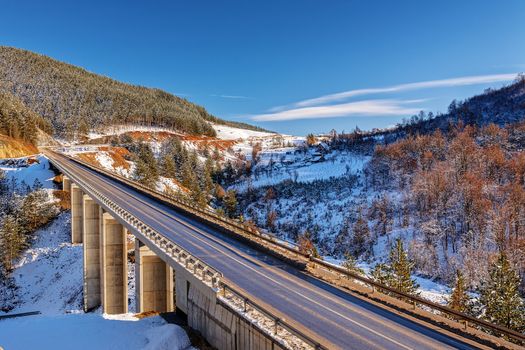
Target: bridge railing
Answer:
[[256, 233], [278, 325]]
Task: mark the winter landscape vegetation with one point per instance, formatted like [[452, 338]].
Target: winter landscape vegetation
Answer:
[[432, 205]]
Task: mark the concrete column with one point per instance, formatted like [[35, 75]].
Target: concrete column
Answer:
[[113, 272], [153, 281], [66, 183], [76, 214], [91, 239]]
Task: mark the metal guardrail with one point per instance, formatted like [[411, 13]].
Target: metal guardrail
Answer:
[[277, 322], [292, 247], [418, 300]]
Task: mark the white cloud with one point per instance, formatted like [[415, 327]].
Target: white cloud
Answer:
[[360, 108], [461, 81], [233, 97]]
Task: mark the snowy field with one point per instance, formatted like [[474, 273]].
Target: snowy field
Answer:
[[91, 331], [121, 129], [230, 133], [289, 166]]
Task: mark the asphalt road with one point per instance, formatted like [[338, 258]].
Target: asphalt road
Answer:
[[334, 317]]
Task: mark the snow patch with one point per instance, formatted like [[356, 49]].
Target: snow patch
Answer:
[[91, 331]]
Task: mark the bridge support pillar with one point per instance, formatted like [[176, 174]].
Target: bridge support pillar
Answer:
[[76, 214], [113, 272], [153, 281], [66, 183], [91, 239]]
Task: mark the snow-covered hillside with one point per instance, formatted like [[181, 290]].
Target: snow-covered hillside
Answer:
[[49, 273], [320, 190]]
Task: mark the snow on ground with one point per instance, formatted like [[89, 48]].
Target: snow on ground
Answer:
[[39, 170], [230, 133], [166, 184], [246, 139], [108, 163], [49, 274], [91, 331], [287, 165], [121, 129]]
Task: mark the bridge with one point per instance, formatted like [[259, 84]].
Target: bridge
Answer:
[[238, 292]]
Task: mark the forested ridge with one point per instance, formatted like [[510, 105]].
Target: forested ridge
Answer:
[[74, 100], [18, 121]]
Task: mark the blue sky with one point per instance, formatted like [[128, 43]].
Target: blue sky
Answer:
[[278, 64]]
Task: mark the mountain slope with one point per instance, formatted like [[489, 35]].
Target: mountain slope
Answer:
[[494, 106], [74, 100]]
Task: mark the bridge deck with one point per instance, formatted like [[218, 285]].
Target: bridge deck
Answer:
[[329, 315]]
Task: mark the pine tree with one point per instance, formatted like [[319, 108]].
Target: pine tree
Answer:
[[12, 241], [208, 175], [350, 264], [500, 296], [169, 167], [361, 235], [37, 185], [402, 269], [4, 183], [146, 168], [382, 273], [188, 175], [459, 299], [230, 203]]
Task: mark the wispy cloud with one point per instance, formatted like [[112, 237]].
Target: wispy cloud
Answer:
[[390, 107], [239, 97], [330, 106], [461, 81]]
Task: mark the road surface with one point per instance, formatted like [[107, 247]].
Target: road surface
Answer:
[[330, 315]]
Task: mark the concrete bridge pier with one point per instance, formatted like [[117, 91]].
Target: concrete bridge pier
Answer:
[[113, 272], [66, 183], [91, 239], [76, 214], [153, 281]]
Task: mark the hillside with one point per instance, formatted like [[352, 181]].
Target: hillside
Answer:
[[494, 106], [14, 148], [73, 99], [18, 121]]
